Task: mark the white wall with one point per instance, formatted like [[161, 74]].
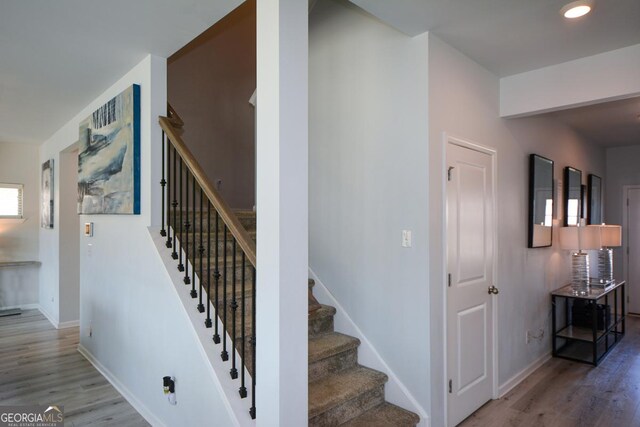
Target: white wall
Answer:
[[622, 169], [282, 212], [69, 291], [368, 181], [140, 332], [19, 240], [464, 102]]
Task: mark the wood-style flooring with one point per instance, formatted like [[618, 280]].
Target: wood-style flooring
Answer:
[[568, 394], [41, 365]]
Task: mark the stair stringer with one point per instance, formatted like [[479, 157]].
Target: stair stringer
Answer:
[[395, 391], [238, 408]]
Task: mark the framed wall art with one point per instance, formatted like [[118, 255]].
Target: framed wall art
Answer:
[[46, 201], [109, 157]]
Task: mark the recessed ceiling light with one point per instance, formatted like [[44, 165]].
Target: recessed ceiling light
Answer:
[[576, 9]]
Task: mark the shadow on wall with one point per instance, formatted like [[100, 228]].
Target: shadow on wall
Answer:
[[209, 82]]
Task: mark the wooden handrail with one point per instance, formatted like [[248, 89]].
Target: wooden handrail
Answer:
[[230, 219], [174, 117]]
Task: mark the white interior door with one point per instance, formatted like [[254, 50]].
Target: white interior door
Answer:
[[633, 243], [470, 252]]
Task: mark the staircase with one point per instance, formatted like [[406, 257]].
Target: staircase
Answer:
[[213, 243], [342, 392]]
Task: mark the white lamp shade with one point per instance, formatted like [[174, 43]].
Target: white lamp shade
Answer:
[[608, 235], [580, 238], [611, 235]]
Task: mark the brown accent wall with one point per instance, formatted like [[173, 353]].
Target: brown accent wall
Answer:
[[210, 81]]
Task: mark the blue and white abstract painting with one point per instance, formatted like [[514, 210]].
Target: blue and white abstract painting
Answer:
[[109, 157]]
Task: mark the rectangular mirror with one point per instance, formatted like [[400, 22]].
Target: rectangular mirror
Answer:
[[572, 196], [594, 200], [540, 201]]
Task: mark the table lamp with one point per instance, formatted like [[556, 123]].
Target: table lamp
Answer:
[[609, 236], [579, 239]]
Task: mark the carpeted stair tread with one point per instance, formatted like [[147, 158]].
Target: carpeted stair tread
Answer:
[[327, 345], [321, 320], [336, 389], [385, 415], [324, 311]]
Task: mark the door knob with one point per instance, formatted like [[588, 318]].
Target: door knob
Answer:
[[493, 290]]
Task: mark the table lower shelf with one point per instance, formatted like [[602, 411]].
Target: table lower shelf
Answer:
[[582, 350], [585, 333]]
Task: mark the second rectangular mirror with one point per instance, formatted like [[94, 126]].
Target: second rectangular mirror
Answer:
[[594, 214], [572, 196]]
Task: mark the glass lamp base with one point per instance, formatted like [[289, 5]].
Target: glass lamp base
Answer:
[[580, 273]]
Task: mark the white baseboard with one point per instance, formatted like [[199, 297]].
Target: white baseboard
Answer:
[[520, 376], [49, 317], [69, 324], [56, 324], [395, 391], [122, 389]]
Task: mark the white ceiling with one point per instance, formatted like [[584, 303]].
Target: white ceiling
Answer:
[[56, 56], [512, 36], [610, 124]]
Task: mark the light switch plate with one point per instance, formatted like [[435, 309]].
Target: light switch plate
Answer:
[[88, 229], [406, 238]]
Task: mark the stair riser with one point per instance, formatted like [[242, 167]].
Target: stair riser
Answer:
[[350, 409], [335, 363], [248, 223], [248, 353], [248, 272], [212, 245], [238, 319], [320, 325]]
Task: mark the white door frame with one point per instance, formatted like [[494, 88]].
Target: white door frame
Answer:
[[446, 139], [625, 238]]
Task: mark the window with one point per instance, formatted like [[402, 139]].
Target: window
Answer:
[[11, 200]]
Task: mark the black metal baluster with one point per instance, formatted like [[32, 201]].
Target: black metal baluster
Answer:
[[216, 277], [168, 243], [180, 264], [208, 323], [187, 228], [194, 294], [174, 203], [224, 354], [163, 183], [252, 411], [201, 251], [234, 308], [243, 360]]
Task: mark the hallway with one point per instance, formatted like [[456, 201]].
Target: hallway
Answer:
[[41, 365], [567, 394]]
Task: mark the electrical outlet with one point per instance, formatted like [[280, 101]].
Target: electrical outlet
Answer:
[[538, 336]]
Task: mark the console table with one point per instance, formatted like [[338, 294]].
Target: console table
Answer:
[[7, 264], [588, 338], [13, 264]]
